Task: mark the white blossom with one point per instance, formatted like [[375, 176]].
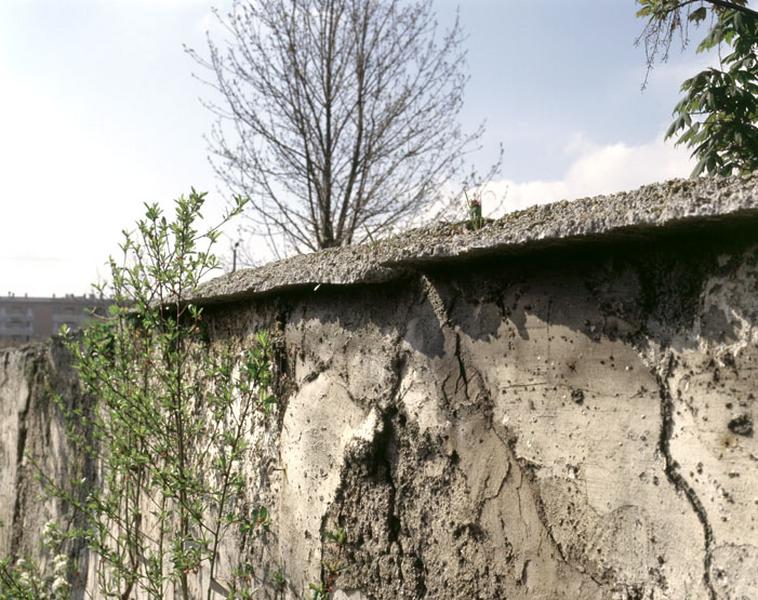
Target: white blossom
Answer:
[[60, 563], [59, 584]]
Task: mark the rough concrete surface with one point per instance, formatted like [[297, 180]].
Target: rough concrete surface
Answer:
[[567, 421], [32, 441], [635, 214]]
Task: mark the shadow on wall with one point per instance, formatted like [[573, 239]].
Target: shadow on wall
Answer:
[[554, 424]]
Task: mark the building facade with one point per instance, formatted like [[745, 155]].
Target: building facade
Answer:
[[25, 319]]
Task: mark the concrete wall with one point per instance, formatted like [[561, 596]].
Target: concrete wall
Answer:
[[568, 420], [33, 440]]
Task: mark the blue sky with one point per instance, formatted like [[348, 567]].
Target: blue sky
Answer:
[[100, 113], [546, 71]]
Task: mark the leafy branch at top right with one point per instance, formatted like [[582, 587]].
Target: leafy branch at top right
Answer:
[[717, 116]]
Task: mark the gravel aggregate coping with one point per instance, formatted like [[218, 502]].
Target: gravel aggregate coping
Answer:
[[652, 208]]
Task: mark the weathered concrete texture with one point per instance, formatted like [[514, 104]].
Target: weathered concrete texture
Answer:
[[33, 441], [570, 421], [565, 425]]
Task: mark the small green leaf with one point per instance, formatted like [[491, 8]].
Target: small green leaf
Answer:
[[698, 15]]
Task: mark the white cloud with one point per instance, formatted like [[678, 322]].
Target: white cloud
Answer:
[[595, 170]]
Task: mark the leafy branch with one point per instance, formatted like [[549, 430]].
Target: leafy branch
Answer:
[[171, 417]]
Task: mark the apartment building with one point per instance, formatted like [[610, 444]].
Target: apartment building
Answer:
[[25, 319]]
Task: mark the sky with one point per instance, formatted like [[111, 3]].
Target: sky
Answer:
[[100, 113]]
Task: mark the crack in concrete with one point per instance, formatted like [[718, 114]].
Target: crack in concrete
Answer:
[[675, 478], [547, 323], [462, 376], [526, 470], [524, 576], [394, 524], [6, 362], [20, 451]]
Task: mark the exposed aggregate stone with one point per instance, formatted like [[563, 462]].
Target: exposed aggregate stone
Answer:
[[679, 202]]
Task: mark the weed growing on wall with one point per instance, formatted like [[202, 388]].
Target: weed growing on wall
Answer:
[[169, 428], [475, 219]]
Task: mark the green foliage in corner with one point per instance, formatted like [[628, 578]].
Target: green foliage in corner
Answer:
[[170, 426], [717, 117]]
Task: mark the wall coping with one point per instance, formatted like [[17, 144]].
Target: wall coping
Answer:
[[671, 205]]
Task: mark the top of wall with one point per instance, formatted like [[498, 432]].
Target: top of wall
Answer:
[[671, 205]]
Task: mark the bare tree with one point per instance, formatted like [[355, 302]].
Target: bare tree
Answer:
[[338, 118]]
